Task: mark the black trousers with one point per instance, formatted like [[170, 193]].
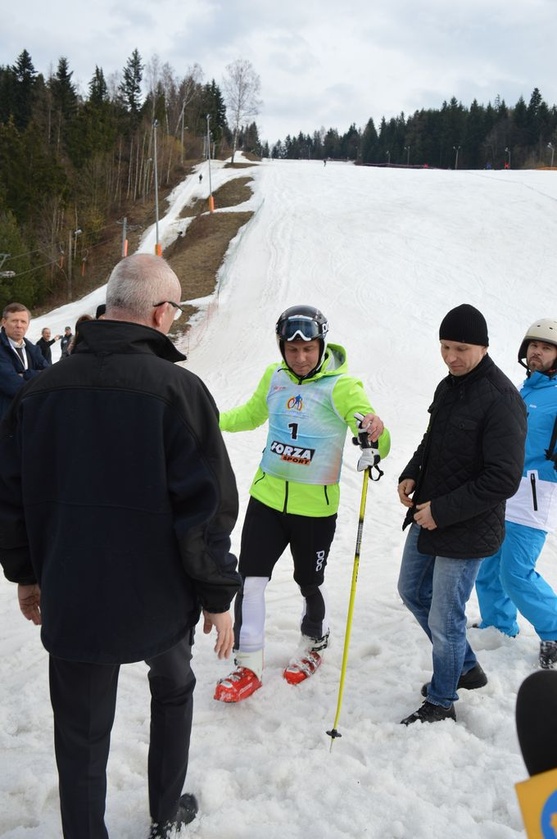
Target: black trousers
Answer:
[[265, 536], [83, 699]]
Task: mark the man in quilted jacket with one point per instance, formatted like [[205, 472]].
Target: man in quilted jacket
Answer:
[[455, 487]]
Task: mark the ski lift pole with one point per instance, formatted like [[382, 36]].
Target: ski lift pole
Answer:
[[333, 733]]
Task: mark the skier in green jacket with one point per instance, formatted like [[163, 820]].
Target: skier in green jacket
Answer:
[[309, 401]]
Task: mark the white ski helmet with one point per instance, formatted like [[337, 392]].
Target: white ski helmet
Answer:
[[545, 330]]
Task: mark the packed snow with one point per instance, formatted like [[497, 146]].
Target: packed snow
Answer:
[[385, 253]]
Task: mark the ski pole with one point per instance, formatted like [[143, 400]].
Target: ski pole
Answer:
[[333, 733]]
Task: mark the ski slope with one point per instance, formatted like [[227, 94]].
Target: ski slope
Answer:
[[385, 253]]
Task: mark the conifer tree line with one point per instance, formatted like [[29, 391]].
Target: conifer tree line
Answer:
[[493, 136], [71, 163]]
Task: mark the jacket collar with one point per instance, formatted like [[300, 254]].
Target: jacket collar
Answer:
[[115, 336], [6, 341], [333, 364], [477, 372]]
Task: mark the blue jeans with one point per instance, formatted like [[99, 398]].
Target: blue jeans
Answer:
[[436, 590], [508, 581]]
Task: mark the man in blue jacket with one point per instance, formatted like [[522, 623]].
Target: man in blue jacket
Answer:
[[129, 544], [508, 580], [20, 360]]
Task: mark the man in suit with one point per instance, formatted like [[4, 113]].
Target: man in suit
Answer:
[[20, 360]]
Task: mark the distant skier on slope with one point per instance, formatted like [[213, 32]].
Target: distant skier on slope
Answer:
[[309, 401]]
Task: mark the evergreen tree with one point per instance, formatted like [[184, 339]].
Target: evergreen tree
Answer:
[[24, 77], [98, 90], [532, 116], [520, 124], [63, 91], [331, 144], [96, 127], [130, 86], [291, 149], [213, 105], [7, 93], [473, 154], [370, 143], [317, 142], [350, 144], [452, 131], [249, 138], [17, 282]]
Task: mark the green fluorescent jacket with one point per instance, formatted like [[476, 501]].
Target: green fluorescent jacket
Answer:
[[347, 398]]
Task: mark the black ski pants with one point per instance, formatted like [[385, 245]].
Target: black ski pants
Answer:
[[83, 700], [265, 536]]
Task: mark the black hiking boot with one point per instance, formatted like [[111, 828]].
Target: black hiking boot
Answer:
[[430, 713], [548, 655], [187, 811], [473, 679]]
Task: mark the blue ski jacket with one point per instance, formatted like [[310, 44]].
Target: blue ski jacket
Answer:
[[535, 502]]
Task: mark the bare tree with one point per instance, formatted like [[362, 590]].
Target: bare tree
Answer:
[[241, 92], [152, 78]]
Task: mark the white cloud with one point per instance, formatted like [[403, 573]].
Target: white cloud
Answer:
[[319, 62]]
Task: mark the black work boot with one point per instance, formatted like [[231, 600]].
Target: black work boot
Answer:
[[473, 679], [187, 811], [548, 655], [430, 713]]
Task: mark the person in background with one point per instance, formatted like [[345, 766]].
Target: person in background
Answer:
[[129, 446], [45, 342], [75, 337], [454, 488], [508, 580], [20, 360], [65, 342], [309, 401]]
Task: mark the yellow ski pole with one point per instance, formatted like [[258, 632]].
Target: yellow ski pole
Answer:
[[333, 733]]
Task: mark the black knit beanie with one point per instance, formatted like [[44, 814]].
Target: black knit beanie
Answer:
[[466, 325]]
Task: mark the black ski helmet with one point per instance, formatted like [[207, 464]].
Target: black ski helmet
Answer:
[[302, 323], [544, 330]]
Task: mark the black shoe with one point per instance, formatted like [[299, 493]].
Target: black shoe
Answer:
[[187, 811], [548, 655], [430, 713], [474, 678]]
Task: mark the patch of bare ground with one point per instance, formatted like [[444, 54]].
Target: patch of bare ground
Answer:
[[195, 257]]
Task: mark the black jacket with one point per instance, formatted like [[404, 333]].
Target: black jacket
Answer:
[[469, 462], [132, 535], [13, 374], [44, 347]]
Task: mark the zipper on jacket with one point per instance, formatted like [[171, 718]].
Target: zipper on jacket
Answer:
[[326, 495], [534, 492]]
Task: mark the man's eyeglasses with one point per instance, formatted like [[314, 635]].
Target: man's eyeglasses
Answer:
[[179, 309]]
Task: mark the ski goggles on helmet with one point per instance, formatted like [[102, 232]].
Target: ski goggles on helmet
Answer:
[[300, 328]]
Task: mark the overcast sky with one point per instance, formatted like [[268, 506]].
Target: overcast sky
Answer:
[[321, 62]]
